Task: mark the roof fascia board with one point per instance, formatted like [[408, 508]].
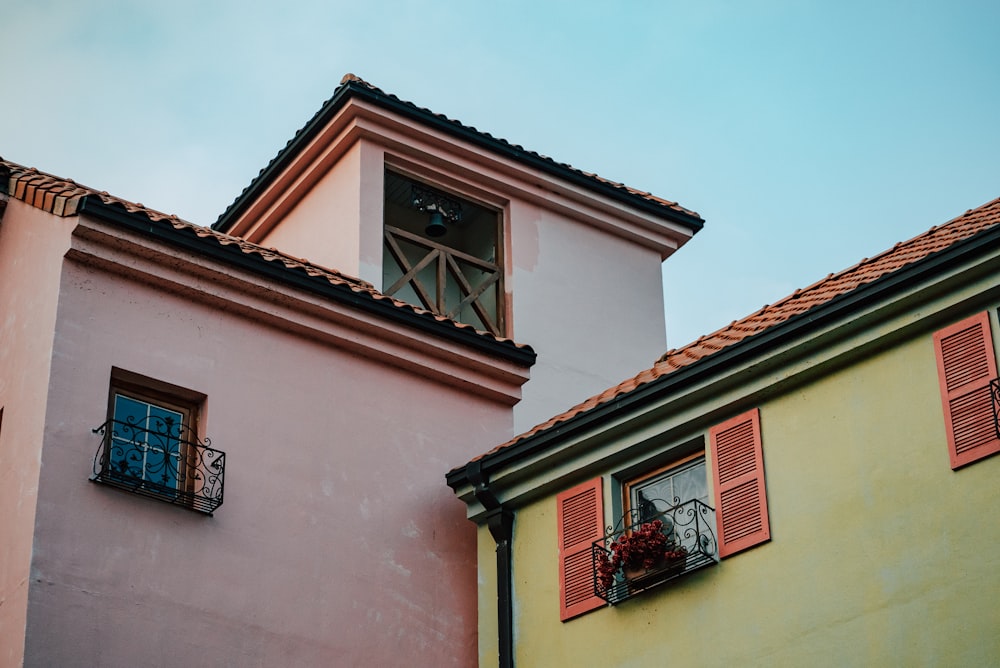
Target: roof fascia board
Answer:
[[405, 144], [724, 365], [234, 256], [520, 155], [286, 189], [352, 89], [280, 162], [199, 278]]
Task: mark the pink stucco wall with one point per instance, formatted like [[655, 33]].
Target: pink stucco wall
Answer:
[[338, 542], [31, 248], [323, 226], [583, 275]]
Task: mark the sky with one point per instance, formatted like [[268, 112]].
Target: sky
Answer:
[[808, 135]]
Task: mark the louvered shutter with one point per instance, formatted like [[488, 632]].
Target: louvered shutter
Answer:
[[581, 521], [966, 364], [738, 473]]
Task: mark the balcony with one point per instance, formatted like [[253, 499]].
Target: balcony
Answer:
[[687, 544], [154, 459]]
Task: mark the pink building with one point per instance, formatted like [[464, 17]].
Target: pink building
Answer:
[[265, 485]]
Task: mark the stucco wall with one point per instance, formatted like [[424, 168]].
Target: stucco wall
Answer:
[[589, 303], [338, 542], [880, 553], [324, 225], [31, 248], [582, 276]]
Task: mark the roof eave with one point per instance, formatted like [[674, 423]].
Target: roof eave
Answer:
[[232, 255], [740, 353], [353, 88]]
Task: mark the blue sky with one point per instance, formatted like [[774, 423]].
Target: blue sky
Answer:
[[808, 134]]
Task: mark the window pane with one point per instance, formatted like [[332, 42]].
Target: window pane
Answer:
[[691, 483], [132, 414], [147, 446], [670, 488]]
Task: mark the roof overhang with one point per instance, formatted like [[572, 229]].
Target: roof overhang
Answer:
[[358, 111], [918, 297], [297, 299]]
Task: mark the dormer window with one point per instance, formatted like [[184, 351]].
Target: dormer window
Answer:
[[442, 252]]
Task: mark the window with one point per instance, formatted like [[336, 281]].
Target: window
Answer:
[[150, 444], [657, 492], [146, 442], [443, 252], [966, 365], [667, 528]]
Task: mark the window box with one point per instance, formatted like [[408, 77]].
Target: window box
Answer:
[[155, 455], [670, 544]]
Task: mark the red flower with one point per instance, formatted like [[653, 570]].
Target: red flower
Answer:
[[640, 548]]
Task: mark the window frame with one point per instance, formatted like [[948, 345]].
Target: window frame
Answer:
[[450, 259], [190, 405], [689, 460]]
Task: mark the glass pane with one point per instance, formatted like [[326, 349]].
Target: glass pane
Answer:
[[654, 497], [690, 483], [147, 446], [670, 488], [165, 446], [132, 414]]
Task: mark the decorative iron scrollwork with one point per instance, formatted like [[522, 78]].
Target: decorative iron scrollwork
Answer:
[[427, 199], [161, 459], [995, 396], [691, 543]]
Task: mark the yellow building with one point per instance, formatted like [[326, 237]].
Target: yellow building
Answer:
[[821, 475]]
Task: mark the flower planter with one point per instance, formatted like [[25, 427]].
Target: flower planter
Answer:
[[664, 569]]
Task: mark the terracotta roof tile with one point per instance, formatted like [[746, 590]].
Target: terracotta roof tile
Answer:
[[868, 270], [351, 80], [63, 197]]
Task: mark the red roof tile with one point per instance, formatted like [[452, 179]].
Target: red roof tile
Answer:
[[834, 285], [63, 197]]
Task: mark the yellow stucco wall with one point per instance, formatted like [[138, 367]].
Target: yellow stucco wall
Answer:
[[880, 553], [489, 648]]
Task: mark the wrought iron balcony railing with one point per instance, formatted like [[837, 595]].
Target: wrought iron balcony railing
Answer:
[[690, 531], [995, 396], [162, 460]]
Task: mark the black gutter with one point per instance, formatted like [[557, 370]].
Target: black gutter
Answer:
[[448, 126], [500, 521], [743, 351], [233, 255]]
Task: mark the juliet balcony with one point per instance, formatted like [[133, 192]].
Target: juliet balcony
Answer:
[[995, 400], [646, 550], [160, 459]]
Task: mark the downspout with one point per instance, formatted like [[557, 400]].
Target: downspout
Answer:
[[500, 522]]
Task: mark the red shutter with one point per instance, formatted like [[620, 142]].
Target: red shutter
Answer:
[[738, 474], [581, 521], [966, 364]]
